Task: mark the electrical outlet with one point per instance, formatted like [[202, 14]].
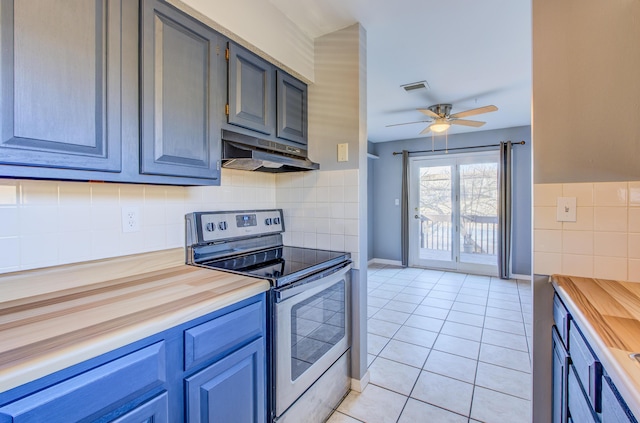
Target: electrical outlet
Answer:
[[130, 219]]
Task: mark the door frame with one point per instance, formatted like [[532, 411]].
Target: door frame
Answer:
[[453, 160]]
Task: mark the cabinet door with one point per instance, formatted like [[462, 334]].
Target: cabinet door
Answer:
[[614, 409], [60, 77], [180, 56], [153, 411], [560, 368], [230, 390], [292, 109], [251, 95]]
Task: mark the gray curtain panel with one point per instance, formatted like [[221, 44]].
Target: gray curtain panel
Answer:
[[504, 212], [404, 221]]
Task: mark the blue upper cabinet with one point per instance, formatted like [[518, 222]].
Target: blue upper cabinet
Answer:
[[181, 62], [265, 99], [250, 91], [61, 82], [291, 108]]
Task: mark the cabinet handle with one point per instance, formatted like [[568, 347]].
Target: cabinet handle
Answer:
[[595, 385]]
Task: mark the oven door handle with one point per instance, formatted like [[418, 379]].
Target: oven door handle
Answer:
[[308, 283]]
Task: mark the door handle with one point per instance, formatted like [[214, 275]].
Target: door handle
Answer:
[[416, 216]]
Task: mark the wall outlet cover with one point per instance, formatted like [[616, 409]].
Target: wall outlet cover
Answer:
[[566, 209], [343, 152], [130, 219]]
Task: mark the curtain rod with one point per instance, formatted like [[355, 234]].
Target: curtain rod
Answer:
[[395, 153]]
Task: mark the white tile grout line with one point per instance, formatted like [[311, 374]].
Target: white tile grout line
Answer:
[[486, 305]]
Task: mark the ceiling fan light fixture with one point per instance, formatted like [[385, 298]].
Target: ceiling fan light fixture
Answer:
[[440, 126]]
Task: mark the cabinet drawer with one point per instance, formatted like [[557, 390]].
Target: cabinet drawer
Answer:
[[614, 409], [561, 317], [579, 408], [221, 335], [587, 367], [94, 392]]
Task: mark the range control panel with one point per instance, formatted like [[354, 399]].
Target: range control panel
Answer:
[[217, 226]]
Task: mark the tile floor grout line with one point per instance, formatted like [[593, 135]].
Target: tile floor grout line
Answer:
[[458, 285]]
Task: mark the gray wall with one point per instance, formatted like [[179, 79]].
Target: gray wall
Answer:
[[386, 177]]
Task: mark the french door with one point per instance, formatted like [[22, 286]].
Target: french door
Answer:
[[453, 206]]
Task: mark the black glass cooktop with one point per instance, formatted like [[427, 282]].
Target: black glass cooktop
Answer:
[[281, 264]]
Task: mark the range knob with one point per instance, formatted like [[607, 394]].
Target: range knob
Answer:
[[210, 227], [222, 225], [276, 220], [268, 221]]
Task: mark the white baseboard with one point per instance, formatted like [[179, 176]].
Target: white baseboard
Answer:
[[385, 261], [360, 385], [522, 277]]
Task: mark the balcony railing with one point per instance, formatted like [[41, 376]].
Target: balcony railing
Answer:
[[479, 234]]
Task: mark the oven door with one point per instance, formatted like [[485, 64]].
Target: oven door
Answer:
[[312, 330]]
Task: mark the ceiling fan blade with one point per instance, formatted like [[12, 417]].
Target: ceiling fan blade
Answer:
[[408, 123], [429, 113], [465, 122], [472, 112], [426, 130]]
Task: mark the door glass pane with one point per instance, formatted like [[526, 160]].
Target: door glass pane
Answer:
[[479, 213], [434, 213], [317, 324]]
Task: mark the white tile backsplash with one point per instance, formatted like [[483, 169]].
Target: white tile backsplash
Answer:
[[582, 191], [610, 219], [604, 242], [545, 218], [546, 194], [577, 242], [46, 223], [610, 194], [328, 215]]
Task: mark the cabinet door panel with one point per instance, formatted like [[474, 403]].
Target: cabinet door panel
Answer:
[[230, 390], [250, 91], [180, 136], [292, 109], [60, 76], [614, 409], [154, 411]]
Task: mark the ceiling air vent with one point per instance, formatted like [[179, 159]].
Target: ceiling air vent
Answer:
[[420, 85]]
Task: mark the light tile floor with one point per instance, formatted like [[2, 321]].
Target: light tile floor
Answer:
[[444, 347]]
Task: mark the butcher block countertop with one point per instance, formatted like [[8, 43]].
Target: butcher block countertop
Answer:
[[608, 313], [56, 317]]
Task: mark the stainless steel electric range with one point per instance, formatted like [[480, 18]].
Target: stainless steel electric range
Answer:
[[309, 306]]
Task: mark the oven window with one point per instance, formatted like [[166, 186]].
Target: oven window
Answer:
[[317, 324]]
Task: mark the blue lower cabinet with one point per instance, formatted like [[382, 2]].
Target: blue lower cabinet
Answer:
[[145, 381], [560, 369], [94, 393], [579, 404], [614, 409], [153, 411], [231, 390]]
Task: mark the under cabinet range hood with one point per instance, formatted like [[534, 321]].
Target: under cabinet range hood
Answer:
[[245, 152]]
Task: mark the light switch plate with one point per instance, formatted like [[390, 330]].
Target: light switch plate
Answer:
[[343, 152], [566, 209]]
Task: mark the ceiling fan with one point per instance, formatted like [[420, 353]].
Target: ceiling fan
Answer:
[[443, 119]]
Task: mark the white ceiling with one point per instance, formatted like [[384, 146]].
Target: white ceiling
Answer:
[[471, 53]]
